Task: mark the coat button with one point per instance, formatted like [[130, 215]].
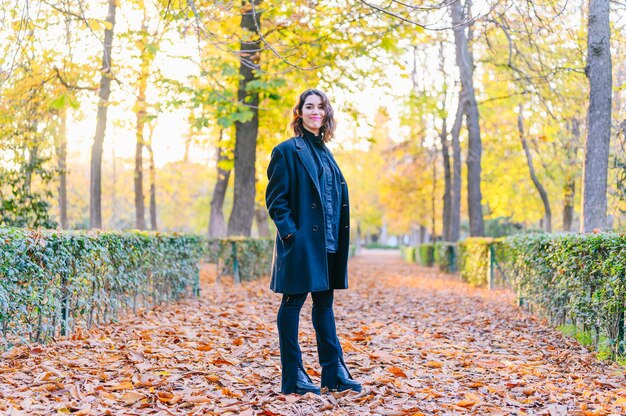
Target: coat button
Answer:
[[315, 228], [345, 205], [346, 226], [313, 205]]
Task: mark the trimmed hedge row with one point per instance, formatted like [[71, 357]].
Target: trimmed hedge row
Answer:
[[571, 279], [474, 260], [446, 257], [575, 281], [242, 258], [52, 281], [426, 254], [443, 254], [408, 253]]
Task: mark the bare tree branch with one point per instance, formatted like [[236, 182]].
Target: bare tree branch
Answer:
[[444, 4], [266, 43], [68, 85]]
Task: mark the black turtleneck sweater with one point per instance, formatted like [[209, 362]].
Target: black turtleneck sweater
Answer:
[[329, 178]]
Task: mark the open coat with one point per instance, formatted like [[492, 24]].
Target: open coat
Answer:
[[300, 264]]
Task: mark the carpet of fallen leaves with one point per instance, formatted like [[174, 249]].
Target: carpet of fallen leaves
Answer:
[[420, 342]]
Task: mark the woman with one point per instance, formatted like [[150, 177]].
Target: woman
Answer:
[[307, 198]]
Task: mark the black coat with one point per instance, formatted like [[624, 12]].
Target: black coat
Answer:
[[293, 199]]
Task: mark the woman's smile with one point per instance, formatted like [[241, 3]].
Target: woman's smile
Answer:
[[313, 114]]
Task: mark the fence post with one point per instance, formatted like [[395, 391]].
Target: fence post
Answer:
[[196, 290], [620, 333], [235, 264], [490, 259], [451, 259], [64, 301]]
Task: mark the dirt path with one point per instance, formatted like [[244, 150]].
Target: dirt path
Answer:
[[420, 342]]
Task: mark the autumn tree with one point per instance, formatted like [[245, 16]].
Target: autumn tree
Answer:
[[531, 167], [246, 132], [95, 194], [599, 72], [543, 55], [465, 62], [26, 126]]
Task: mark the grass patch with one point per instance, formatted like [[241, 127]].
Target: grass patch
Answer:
[[584, 337], [604, 348], [381, 246]]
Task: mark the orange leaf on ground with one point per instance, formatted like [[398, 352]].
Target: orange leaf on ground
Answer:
[[131, 397], [126, 385], [434, 364], [187, 358], [397, 371], [620, 401]]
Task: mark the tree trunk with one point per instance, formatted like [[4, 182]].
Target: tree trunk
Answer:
[[423, 234], [531, 168], [465, 63], [447, 191], [188, 137], [358, 243], [445, 150], [455, 197], [140, 123], [384, 235], [569, 191], [153, 207], [217, 225], [113, 184], [240, 222], [262, 225], [599, 72], [95, 188], [433, 219], [61, 151], [32, 150], [571, 173], [140, 219]]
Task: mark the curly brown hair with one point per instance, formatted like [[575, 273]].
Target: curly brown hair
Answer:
[[328, 127]]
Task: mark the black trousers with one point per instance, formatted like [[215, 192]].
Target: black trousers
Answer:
[[328, 347]]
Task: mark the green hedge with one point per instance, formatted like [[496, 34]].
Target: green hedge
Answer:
[[52, 281], [446, 256], [426, 254], [571, 279], [443, 254], [408, 254], [242, 258], [474, 260]]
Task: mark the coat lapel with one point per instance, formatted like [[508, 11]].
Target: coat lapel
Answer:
[[307, 160]]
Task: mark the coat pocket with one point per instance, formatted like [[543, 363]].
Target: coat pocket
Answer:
[[289, 243]]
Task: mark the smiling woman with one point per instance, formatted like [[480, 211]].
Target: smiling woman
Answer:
[[307, 198], [315, 114]]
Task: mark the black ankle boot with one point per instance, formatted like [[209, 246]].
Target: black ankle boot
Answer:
[[304, 384], [345, 381]]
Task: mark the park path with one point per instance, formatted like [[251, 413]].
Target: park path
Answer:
[[419, 341]]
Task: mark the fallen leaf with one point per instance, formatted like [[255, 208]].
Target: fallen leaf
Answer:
[[131, 397], [434, 364], [126, 385], [398, 372]]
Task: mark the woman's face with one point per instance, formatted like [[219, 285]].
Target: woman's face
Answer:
[[313, 113]]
